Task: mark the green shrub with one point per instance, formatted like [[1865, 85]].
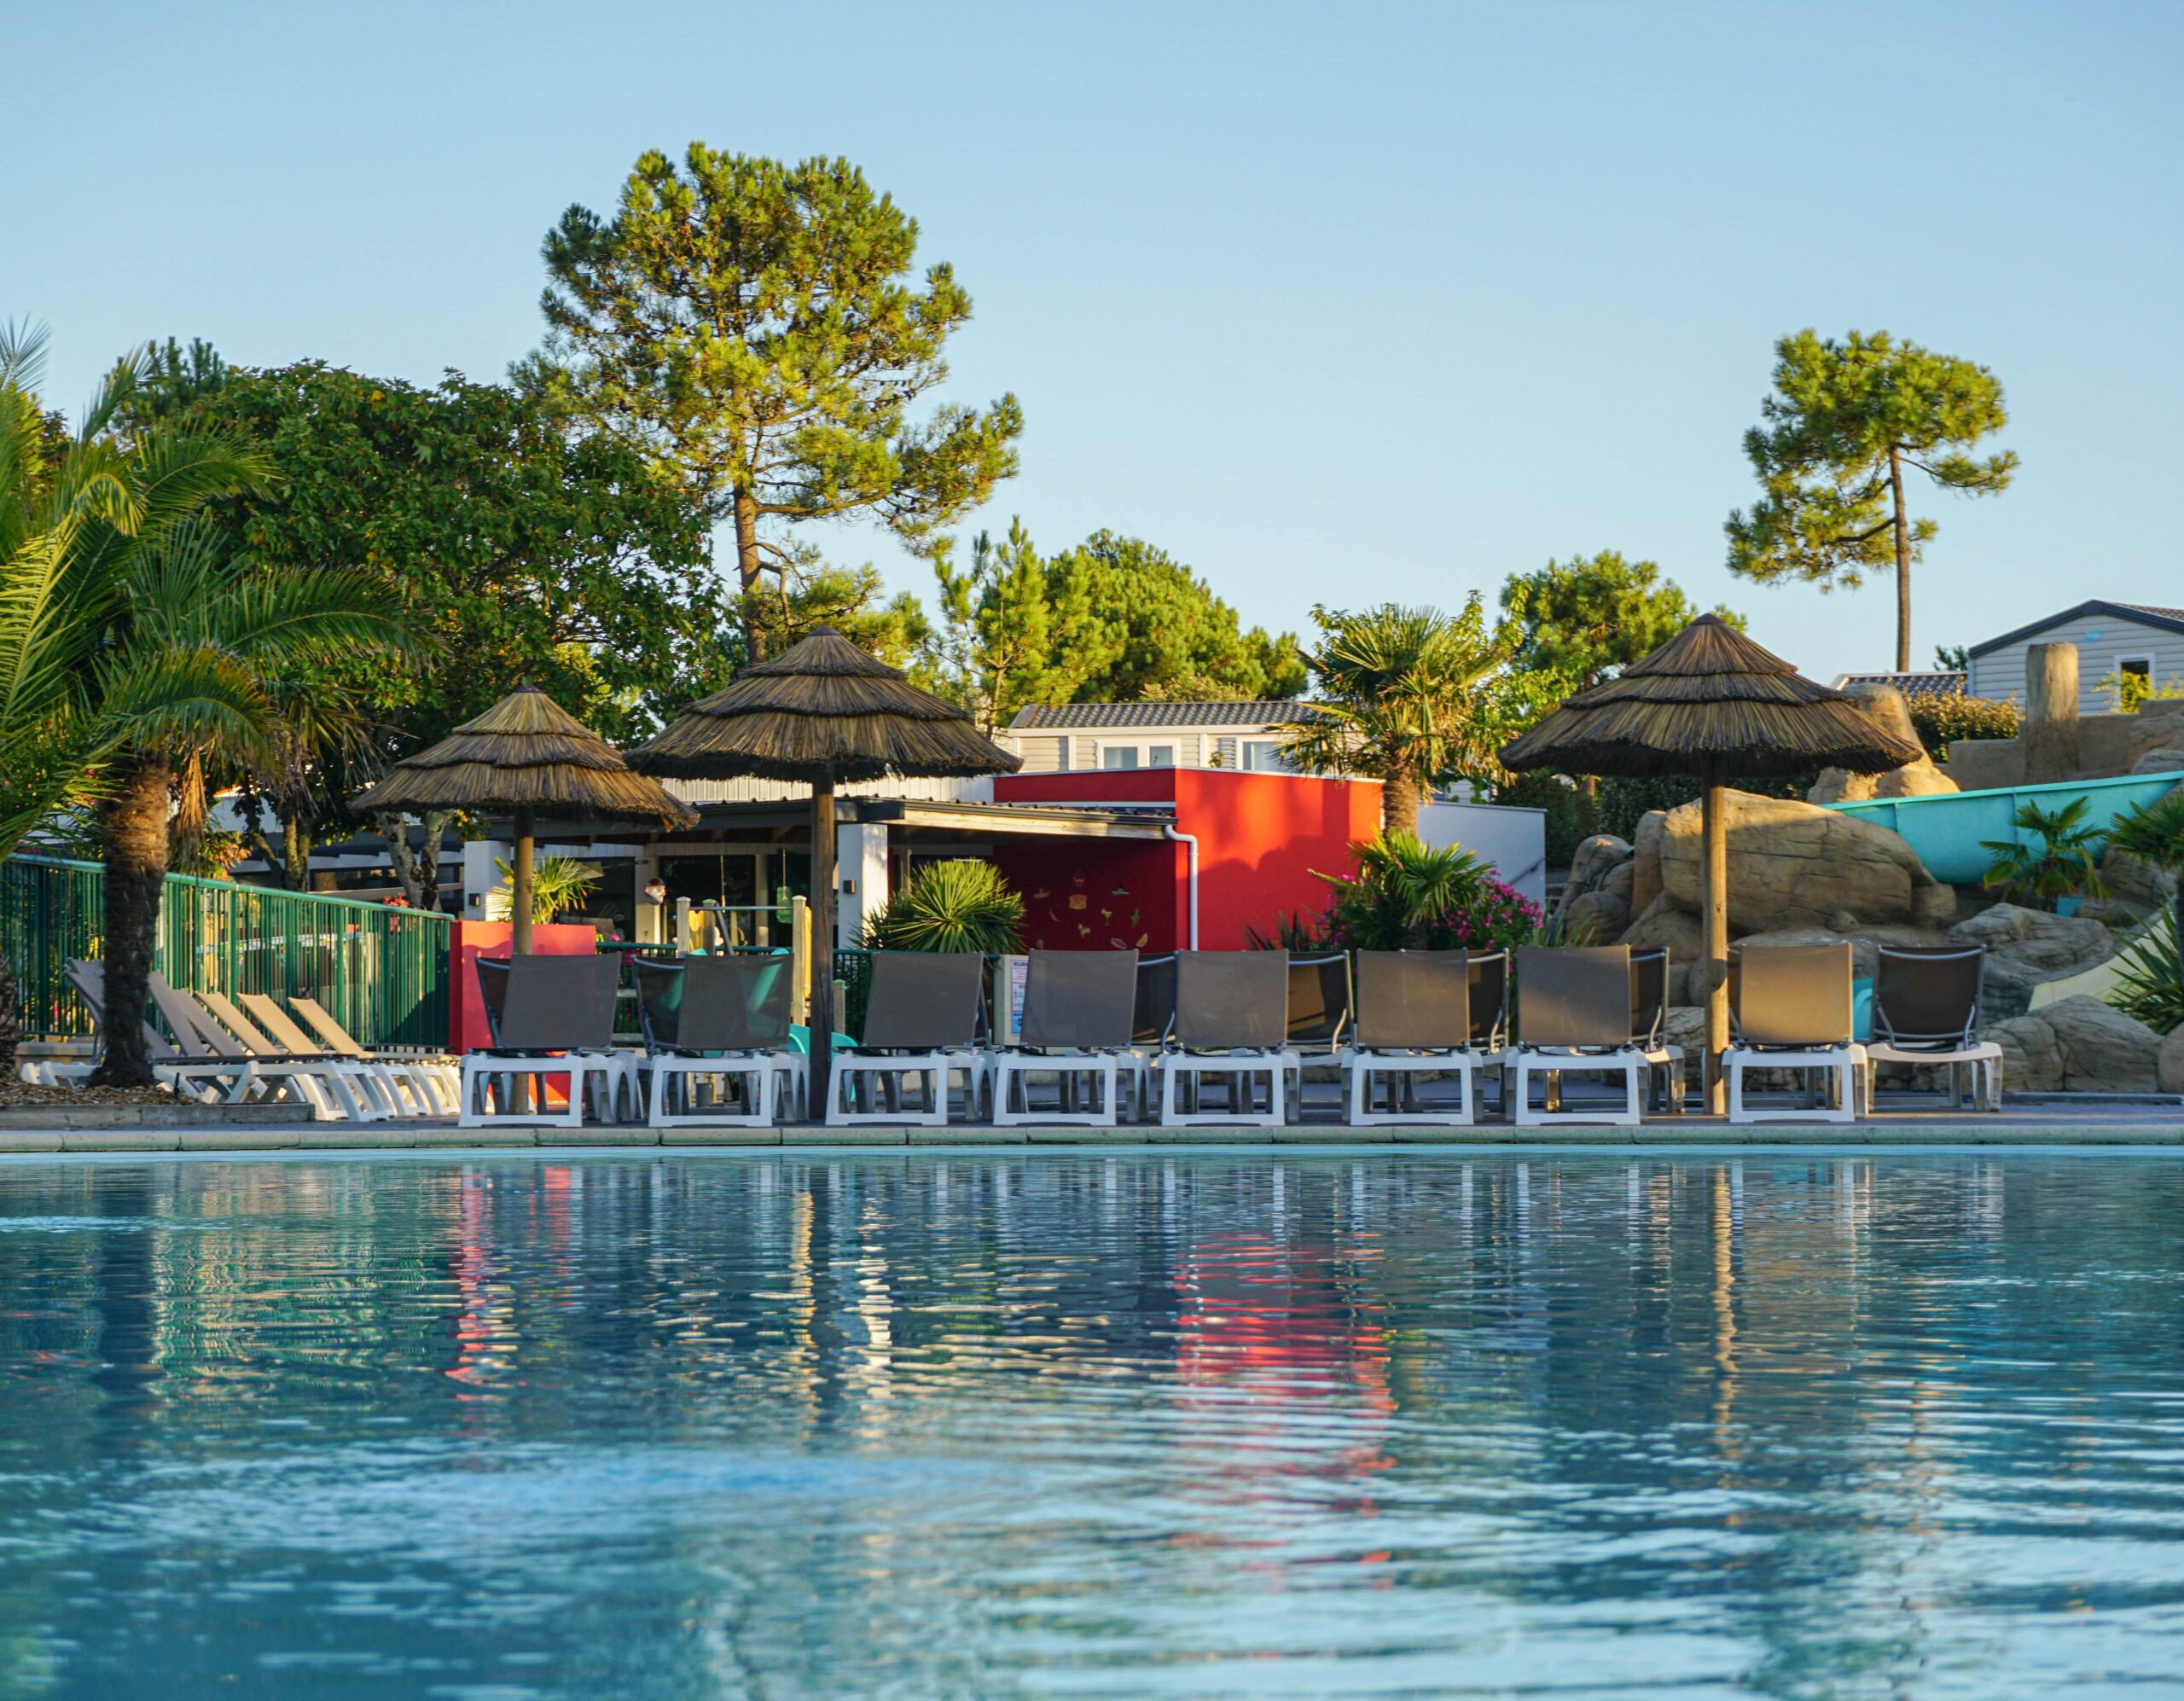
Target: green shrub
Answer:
[[1402, 895], [2150, 977], [955, 906], [1572, 813], [1940, 719]]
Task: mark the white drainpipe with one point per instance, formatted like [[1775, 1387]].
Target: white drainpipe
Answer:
[[1189, 842]]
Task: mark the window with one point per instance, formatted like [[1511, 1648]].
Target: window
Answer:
[[1119, 756], [1136, 754], [1263, 756], [2134, 682]]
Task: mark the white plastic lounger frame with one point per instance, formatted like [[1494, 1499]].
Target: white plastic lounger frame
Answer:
[[1573, 1017], [384, 1093], [432, 1081], [309, 1082]]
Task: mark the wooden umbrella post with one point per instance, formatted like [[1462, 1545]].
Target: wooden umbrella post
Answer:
[[821, 1020], [1715, 808], [520, 883]]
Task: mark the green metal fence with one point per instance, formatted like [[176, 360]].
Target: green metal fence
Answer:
[[382, 971]]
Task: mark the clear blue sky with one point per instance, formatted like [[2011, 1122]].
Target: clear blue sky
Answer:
[[1336, 303]]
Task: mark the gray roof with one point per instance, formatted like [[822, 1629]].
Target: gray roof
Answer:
[[1091, 717], [1927, 684], [2149, 614]]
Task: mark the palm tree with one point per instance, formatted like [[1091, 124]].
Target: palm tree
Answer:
[[2066, 860], [1414, 697]]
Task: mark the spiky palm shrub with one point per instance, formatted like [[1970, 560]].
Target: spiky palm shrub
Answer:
[[2065, 863], [957, 906], [558, 884], [2152, 969], [1404, 895]]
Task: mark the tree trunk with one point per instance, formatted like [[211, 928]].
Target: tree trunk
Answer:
[[750, 565], [11, 1020], [185, 839], [133, 834], [418, 871], [520, 886], [296, 841], [1399, 795], [1903, 562], [822, 905]]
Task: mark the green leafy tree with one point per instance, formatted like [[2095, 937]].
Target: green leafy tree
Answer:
[[750, 327], [1592, 616], [1116, 620], [525, 552], [1415, 697], [1845, 422], [853, 600]]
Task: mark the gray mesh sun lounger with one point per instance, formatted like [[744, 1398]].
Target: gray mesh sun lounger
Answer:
[[1789, 1008], [1573, 1017], [556, 1020], [1079, 1020], [920, 1024], [1414, 1018], [1926, 1012], [1232, 1021], [722, 1020]]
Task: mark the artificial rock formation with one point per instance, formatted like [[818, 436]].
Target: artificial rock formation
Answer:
[[2025, 947], [2077, 1045], [1796, 865], [2168, 1063], [1921, 779]]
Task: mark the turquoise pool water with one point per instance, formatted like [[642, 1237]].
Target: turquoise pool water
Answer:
[[1172, 1425]]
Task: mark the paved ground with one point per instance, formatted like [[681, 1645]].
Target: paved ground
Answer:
[[2018, 1124]]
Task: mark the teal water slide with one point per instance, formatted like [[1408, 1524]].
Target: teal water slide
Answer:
[[1946, 831]]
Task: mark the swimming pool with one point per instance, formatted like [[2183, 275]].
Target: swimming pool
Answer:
[[1166, 1423]]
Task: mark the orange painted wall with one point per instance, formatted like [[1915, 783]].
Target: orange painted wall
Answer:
[[1261, 837]]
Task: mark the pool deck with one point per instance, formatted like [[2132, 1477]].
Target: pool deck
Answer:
[[2044, 1125]]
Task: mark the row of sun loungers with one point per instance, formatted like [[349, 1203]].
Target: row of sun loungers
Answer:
[[1208, 1038], [250, 1049]]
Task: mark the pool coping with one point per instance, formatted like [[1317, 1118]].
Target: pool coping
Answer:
[[371, 1139]]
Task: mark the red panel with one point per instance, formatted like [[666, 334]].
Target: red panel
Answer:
[[1097, 894], [1261, 837], [465, 1005]]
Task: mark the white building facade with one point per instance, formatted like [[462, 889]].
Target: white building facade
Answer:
[[2113, 638]]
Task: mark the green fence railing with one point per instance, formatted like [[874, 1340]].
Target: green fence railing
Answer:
[[383, 971]]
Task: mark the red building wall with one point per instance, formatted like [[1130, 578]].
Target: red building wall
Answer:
[[471, 940], [1261, 837]]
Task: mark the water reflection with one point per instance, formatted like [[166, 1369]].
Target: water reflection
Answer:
[[1130, 1425]]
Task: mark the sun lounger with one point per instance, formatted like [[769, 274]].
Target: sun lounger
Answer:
[[1649, 1002], [209, 1025], [1079, 1020], [921, 1023], [337, 1086], [722, 1020], [185, 1068], [390, 1094], [1926, 1011], [556, 1020], [1232, 1021], [1414, 1018], [1321, 1010], [432, 1079], [1789, 1008], [1573, 1017]]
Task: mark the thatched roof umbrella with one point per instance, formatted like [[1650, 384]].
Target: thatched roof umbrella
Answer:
[[1712, 704], [824, 712], [524, 754]]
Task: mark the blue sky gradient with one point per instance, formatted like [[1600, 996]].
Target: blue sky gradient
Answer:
[[1337, 303]]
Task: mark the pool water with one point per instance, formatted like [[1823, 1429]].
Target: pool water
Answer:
[[1143, 1425]]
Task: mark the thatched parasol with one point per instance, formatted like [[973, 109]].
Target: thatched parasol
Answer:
[[1712, 704], [823, 712], [524, 754]]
